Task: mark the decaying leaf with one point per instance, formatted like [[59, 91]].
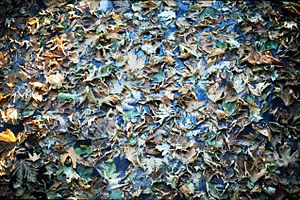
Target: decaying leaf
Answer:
[[149, 99]]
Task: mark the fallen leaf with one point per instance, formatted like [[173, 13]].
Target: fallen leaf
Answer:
[[188, 154], [10, 115], [131, 154], [266, 132], [37, 96], [7, 136], [255, 176], [164, 148], [39, 86], [55, 80], [33, 24], [134, 63], [34, 157], [72, 155], [215, 92], [169, 14]]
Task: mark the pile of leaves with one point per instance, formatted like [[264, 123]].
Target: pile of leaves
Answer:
[[151, 99]]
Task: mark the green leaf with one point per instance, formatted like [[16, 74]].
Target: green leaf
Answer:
[[66, 96], [70, 174], [84, 172], [263, 44], [229, 107], [27, 113], [53, 195], [262, 196], [106, 71], [221, 45], [269, 190], [110, 170], [84, 150], [159, 77], [115, 194], [132, 141], [271, 167], [209, 12], [131, 115]]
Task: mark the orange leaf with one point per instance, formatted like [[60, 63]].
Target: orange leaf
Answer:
[[7, 136], [39, 86]]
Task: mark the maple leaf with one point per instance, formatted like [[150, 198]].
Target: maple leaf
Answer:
[[71, 154], [34, 157], [134, 63], [285, 157]]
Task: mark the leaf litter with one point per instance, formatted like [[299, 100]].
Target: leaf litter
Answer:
[[151, 99]]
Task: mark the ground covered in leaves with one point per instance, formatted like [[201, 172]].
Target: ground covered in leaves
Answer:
[[150, 99]]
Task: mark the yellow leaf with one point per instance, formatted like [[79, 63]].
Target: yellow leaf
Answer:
[[10, 115], [56, 80], [37, 96], [33, 24], [39, 86], [7, 136], [4, 97]]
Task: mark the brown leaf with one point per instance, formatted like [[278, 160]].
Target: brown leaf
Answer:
[[187, 189], [33, 24], [131, 154], [215, 92], [72, 155], [188, 154]]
